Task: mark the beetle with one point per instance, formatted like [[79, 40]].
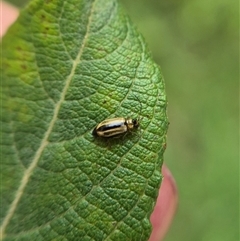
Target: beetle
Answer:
[[116, 126]]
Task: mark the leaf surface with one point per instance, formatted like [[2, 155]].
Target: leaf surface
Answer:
[[66, 66]]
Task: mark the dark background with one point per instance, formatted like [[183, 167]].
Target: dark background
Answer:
[[196, 43]]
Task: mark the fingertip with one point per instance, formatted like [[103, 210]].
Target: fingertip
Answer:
[[165, 207], [8, 16]]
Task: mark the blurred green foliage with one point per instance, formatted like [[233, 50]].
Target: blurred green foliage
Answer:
[[18, 3], [196, 44]]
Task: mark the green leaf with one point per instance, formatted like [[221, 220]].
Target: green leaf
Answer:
[[66, 66]]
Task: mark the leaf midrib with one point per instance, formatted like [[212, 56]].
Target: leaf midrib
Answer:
[[45, 142]]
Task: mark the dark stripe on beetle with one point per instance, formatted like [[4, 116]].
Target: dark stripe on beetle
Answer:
[[108, 131], [116, 131], [111, 126]]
